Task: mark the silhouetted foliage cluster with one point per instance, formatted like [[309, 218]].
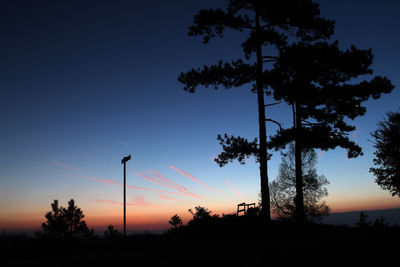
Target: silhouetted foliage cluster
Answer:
[[205, 224], [65, 222], [387, 154]]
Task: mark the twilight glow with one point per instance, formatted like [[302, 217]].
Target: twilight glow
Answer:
[[83, 87]]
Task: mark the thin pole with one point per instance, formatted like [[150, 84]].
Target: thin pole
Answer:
[[124, 199], [123, 161]]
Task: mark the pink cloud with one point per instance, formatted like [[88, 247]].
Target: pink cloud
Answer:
[[162, 196], [136, 202], [108, 201], [139, 202], [178, 187], [100, 180], [66, 166], [159, 179], [356, 133], [188, 175], [233, 188], [107, 181], [320, 153], [124, 143]]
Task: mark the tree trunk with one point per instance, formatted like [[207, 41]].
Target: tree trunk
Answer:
[[265, 201], [299, 201]]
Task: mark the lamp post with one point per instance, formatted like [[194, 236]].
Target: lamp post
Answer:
[[123, 161]]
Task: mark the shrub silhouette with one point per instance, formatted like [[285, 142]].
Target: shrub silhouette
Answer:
[[112, 233], [381, 223], [65, 222]]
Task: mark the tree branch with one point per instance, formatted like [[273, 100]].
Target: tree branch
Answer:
[[277, 123]]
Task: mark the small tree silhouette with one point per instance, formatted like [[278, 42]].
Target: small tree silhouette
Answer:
[[112, 233], [362, 222], [381, 223], [283, 188], [55, 225], [65, 222], [175, 221]]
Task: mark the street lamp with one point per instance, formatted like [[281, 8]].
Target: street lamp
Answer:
[[123, 161]]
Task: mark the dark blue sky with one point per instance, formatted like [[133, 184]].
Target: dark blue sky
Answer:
[[83, 83]]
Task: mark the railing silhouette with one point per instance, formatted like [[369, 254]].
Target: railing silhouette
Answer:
[[243, 207]]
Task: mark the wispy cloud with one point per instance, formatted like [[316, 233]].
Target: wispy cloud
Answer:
[[65, 166], [161, 180], [123, 143], [162, 196], [233, 188], [140, 202], [135, 202], [100, 180], [107, 181], [188, 175], [356, 133], [158, 175]]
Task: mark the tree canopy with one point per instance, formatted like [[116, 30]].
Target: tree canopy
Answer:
[[319, 78], [387, 154]]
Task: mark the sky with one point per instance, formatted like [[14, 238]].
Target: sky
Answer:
[[85, 83]]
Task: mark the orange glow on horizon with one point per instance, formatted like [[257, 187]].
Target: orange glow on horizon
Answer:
[[350, 204], [141, 218]]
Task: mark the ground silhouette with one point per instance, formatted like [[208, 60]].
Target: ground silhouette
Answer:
[[214, 240]]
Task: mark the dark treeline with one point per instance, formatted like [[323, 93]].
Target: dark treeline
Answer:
[[213, 239]]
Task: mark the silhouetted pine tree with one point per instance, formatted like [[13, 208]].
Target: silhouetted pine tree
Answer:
[[318, 80], [55, 224], [65, 222], [268, 23]]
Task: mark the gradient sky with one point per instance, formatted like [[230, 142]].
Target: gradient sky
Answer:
[[85, 83]]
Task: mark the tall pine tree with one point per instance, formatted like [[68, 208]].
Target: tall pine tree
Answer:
[[322, 83], [268, 23]]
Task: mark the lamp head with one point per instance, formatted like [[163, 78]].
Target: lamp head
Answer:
[[125, 159]]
